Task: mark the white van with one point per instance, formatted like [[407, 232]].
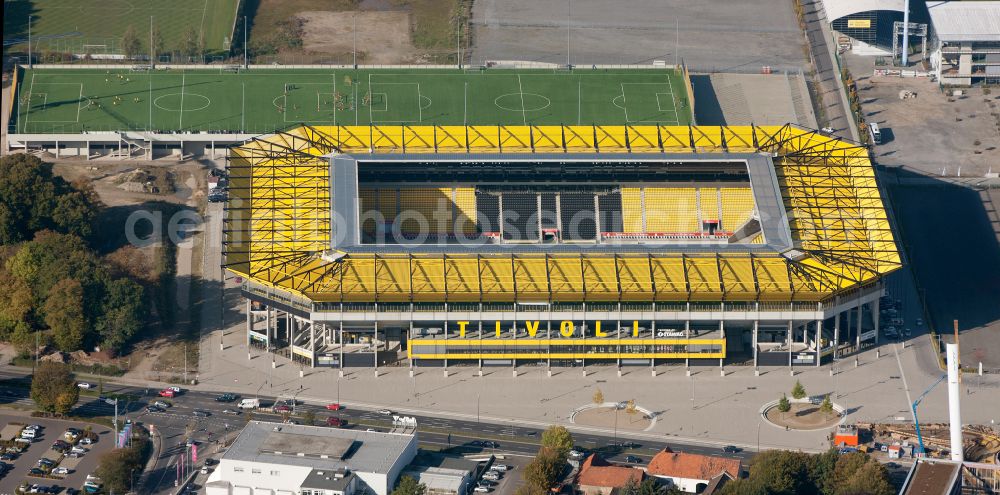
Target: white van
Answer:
[[249, 404], [29, 434], [875, 133]]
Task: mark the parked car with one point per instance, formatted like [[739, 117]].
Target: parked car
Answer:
[[482, 489], [333, 407], [85, 385], [87, 441], [281, 408], [227, 397], [62, 470], [36, 472], [575, 454], [489, 444], [500, 467], [384, 412], [234, 412], [492, 476], [201, 413], [167, 393], [731, 449], [336, 422], [7, 456], [631, 459], [176, 390], [162, 404]]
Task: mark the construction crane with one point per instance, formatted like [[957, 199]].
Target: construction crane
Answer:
[[913, 407]]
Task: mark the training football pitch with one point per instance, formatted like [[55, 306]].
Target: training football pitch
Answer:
[[263, 100], [96, 27]]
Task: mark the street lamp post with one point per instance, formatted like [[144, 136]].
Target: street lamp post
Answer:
[[758, 437]]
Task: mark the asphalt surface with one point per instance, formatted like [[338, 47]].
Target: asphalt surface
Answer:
[[175, 426]]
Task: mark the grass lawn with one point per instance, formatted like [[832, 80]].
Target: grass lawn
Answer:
[[97, 27], [260, 101]]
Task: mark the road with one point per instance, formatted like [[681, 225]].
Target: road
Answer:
[[178, 424], [827, 72]]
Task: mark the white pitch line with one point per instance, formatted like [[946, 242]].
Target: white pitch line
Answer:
[[371, 117], [520, 91], [420, 105], [181, 124], [624, 104], [334, 99], [31, 88], [78, 102]]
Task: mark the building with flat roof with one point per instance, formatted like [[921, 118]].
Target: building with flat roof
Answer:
[[933, 477], [965, 41], [311, 460], [443, 475]]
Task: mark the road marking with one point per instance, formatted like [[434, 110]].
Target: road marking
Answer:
[[906, 387]]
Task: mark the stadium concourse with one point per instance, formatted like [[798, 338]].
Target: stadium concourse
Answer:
[[548, 245]]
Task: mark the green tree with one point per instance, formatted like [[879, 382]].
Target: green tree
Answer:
[[23, 338], [542, 472], [123, 314], [131, 44], [191, 45], [16, 299], [558, 439], [53, 388], [157, 47], [598, 397], [117, 466], [783, 404], [35, 199], [798, 391], [64, 314], [309, 417], [826, 407], [408, 486], [856, 473]]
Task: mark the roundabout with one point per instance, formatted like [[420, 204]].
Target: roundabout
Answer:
[[191, 102], [522, 102], [804, 415], [612, 415]]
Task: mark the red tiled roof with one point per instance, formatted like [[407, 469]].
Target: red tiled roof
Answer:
[[596, 472], [691, 466]]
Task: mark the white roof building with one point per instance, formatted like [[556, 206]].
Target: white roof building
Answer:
[[284, 459], [965, 41]]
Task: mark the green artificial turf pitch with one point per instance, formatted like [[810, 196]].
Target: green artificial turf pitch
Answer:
[[263, 100], [96, 27]]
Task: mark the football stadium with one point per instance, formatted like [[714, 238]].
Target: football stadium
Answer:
[[627, 244]]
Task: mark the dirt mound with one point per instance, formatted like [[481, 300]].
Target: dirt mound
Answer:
[[383, 37]]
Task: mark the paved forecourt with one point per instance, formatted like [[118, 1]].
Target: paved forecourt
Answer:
[[259, 101]]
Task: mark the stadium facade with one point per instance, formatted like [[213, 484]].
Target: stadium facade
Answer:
[[368, 246]]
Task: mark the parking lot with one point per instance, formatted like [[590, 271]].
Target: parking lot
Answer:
[[52, 430]]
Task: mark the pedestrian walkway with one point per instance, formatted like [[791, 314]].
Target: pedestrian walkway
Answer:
[[833, 99]]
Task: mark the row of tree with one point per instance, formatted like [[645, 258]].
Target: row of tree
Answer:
[[56, 288], [782, 472], [191, 44]]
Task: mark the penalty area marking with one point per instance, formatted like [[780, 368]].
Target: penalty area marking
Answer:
[[45, 101]]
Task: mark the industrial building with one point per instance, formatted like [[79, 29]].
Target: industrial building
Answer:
[[311, 460], [965, 42]]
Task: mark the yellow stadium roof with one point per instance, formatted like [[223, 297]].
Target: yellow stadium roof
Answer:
[[278, 221]]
